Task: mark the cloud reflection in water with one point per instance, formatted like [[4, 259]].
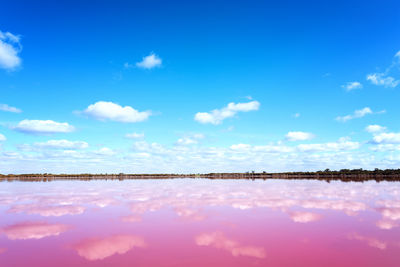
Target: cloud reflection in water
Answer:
[[98, 249], [33, 230], [220, 241]]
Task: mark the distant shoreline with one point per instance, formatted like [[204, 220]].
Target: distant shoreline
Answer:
[[357, 175]]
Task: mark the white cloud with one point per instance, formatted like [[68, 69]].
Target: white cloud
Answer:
[[10, 37], [190, 140], [110, 111], [62, 144], [241, 147], [352, 86], [375, 128], [386, 138], [186, 157], [105, 151], [149, 62], [5, 107], [198, 136], [299, 136], [357, 114], [216, 116], [10, 48], [262, 149], [296, 115], [274, 149], [382, 79], [385, 147], [342, 145], [43, 127], [143, 146], [134, 135], [186, 141], [141, 156], [2, 138]]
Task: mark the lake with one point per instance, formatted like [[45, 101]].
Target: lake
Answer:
[[199, 222]]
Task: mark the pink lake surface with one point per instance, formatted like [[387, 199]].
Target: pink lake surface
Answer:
[[196, 222]]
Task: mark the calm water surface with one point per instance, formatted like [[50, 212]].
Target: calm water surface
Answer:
[[193, 222]]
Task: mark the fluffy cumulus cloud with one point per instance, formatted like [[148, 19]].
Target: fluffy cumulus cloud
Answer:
[[62, 144], [386, 138], [2, 138], [216, 116], [10, 47], [350, 86], [358, 114], [382, 140], [43, 127], [299, 136], [7, 108], [374, 128], [110, 111], [149, 62]]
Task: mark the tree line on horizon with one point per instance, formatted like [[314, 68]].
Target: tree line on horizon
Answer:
[[361, 173], [326, 171]]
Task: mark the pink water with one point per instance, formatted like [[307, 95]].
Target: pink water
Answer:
[[193, 222]]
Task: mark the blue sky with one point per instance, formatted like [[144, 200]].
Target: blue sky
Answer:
[[165, 86]]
